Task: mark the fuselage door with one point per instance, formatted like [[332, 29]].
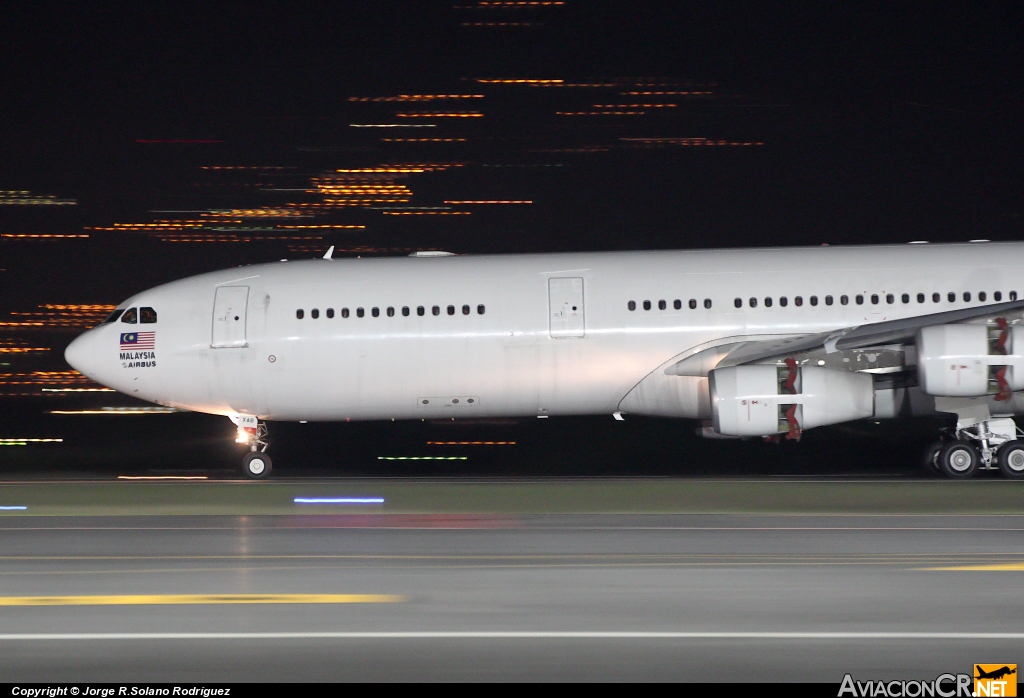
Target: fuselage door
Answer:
[[229, 307], [565, 305]]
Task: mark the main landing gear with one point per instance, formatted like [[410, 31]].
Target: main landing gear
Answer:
[[257, 463], [990, 444]]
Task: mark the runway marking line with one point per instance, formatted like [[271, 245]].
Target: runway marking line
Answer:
[[196, 599], [999, 567], [519, 635]]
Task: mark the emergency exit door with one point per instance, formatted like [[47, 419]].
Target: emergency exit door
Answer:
[[565, 305], [229, 316]]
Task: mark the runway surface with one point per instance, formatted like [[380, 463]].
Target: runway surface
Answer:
[[381, 597]]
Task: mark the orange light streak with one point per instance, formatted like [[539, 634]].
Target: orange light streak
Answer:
[[474, 202]]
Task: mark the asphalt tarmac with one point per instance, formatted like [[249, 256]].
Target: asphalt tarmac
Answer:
[[379, 597]]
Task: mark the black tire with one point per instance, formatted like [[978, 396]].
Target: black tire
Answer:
[[930, 459], [1011, 459], [958, 460], [257, 465]]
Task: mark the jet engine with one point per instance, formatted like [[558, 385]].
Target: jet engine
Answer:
[[766, 400], [971, 360]]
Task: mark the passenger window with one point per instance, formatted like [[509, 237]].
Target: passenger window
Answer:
[[360, 312], [997, 296], [631, 305], [753, 302], [951, 297], [693, 304], [677, 304], [405, 311], [738, 303], [147, 316], [299, 313], [798, 301], [465, 310], [391, 311], [420, 310], [344, 312], [844, 300], [768, 302], [436, 310], [451, 309], [314, 313], [936, 298], [967, 296], [828, 300], [330, 312], [814, 300], [1013, 295], [375, 311], [662, 305], [707, 303], [783, 301], [131, 316], [480, 310], [981, 297], [647, 305], [890, 299], [860, 299], [874, 299], [920, 298]]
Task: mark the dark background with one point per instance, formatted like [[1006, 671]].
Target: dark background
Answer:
[[831, 123]]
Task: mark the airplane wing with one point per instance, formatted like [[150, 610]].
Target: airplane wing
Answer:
[[890, 332]]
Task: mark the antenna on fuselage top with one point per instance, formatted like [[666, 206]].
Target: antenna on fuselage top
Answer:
[[330, 252]]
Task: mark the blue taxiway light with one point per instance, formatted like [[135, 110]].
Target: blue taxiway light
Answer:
[[339, 500]]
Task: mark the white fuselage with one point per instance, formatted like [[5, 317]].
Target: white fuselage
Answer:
[[528, 352]]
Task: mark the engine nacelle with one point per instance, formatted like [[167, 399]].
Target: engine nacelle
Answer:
[[755, 400], [970, 360]]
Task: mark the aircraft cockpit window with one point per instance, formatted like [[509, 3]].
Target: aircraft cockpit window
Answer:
[[131, 316], [147, 316], [113, 316]]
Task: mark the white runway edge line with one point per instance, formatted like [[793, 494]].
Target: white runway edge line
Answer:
[[518, 635]]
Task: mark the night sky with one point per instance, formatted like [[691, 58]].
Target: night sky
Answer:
[[143, 143]]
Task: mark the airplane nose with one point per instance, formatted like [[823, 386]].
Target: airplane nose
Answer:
[[81, 354]]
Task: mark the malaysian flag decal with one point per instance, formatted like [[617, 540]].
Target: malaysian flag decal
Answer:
[[141, 341]]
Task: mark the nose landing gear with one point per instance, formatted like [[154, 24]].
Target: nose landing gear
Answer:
[[257, 463]]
